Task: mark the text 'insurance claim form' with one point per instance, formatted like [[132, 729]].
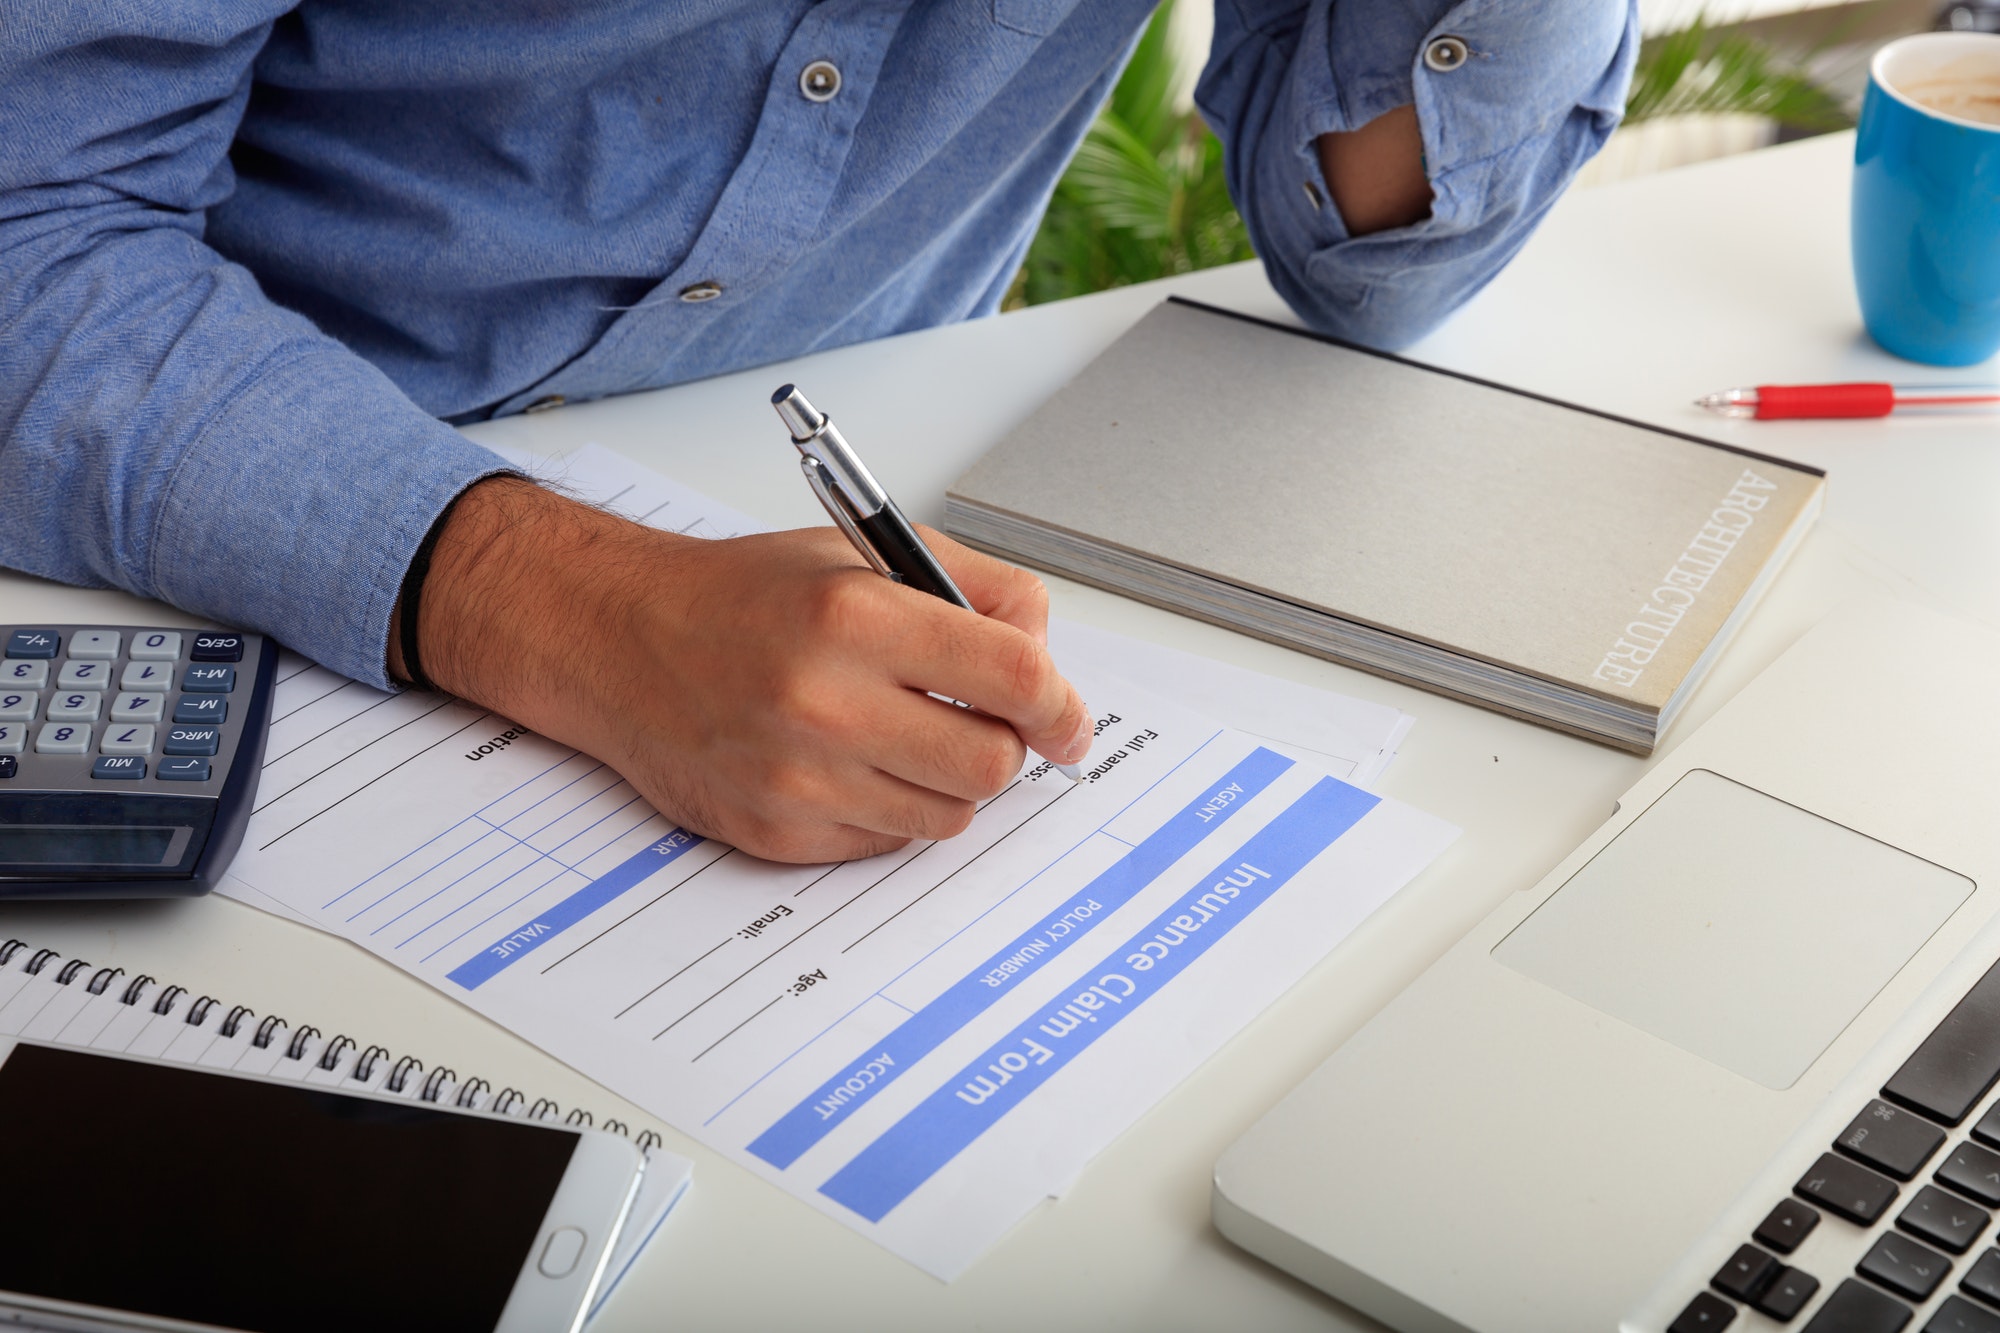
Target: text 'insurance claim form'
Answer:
[[924, 1044]]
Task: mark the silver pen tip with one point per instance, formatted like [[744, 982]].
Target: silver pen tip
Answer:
[[801, 418], [1074, 772]]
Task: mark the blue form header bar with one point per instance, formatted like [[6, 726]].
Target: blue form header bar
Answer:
[[503, 953], [920, 1034], [972, 1101]]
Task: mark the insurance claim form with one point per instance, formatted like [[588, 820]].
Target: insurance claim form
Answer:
[[924, 1044]]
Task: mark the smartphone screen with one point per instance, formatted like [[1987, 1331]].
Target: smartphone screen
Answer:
[[262, 1206]]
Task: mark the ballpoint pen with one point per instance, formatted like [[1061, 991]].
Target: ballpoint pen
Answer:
[[1769, 402], [859, 507]]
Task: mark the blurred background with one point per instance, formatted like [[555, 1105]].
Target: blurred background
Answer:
[[1145, 196]]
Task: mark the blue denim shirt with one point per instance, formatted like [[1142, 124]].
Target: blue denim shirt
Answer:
[[255, 254]]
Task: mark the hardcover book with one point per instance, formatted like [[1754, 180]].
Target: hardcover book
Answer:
[[1542, 559]]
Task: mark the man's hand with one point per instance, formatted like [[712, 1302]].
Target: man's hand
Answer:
[[770, 691]]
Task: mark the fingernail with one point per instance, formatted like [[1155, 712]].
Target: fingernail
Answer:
[[1079, 744]]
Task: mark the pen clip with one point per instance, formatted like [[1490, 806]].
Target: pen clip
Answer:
[[836, 509]]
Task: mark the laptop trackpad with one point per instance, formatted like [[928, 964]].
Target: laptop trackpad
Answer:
[[1735, 926]]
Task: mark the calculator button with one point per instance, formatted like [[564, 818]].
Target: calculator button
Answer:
[[18, 705], [40, 643], [134, 707], [13, 737], [147, 676], [183, 770], [63, 738], [135, 738], [201, 708], [94, 643], [119, 767], [192, 740], [9, 765], [209, 679], [24, 675], [217, 648], [80, 706], [84, 675], [156, 645]]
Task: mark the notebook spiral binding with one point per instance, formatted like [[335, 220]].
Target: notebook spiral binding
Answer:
[[364, 1068]]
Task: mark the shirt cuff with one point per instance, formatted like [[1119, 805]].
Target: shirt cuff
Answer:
[[297, 510]]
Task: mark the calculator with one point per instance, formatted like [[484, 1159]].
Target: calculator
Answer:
[[128, 757]]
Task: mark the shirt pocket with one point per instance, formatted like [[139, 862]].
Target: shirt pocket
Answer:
[[1037, 18]]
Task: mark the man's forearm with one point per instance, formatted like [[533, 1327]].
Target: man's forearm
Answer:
[[513, 564], [1376, 173]]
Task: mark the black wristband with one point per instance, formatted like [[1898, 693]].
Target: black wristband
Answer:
[[412, 597]]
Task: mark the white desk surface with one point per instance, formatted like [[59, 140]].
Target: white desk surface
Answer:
[[1632, 298]]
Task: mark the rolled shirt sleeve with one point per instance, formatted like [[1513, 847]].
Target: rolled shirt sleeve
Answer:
[[164, 428], [1540, 88]]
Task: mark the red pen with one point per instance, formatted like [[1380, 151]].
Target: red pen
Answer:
[[1771, 402]]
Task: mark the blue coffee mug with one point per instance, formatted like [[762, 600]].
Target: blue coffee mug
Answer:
[[1926, 224]]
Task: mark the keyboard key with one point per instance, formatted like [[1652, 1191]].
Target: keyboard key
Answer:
[[1746, 1273], [1972, 1170], [1944, 1219], [1856, 1193], [1958, 1315], [1786, 1295], [18, 705], [41, 643], [209, 679], [1856, 1307], [1904, 1267], [1788, 1224], [201, 708], [1895, 1142], [78, 707], [1987, 1131], [135, 707], [192, 740], [13, 737], [24, 675], [119, 767], [1983, 1278], [212, 647], [1706, 1313], [63, 738], [77, 675], [1956, 1065], [156, 645], [9, 765], [147, 676], [137, 738], [95, 643], [183, 770]]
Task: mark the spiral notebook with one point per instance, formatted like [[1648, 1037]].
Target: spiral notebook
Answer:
[[44, 997]]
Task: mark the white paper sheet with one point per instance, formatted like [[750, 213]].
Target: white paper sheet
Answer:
[[922, 1045]]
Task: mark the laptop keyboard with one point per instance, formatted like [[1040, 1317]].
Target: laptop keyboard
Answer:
[[1913, 1185]]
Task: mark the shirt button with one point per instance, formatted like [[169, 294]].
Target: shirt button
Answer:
[[549, 403], [820, 81], [701, 291], [1445, 54]]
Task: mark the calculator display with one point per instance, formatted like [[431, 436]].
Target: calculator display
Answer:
[[110, 835], [81, 844]]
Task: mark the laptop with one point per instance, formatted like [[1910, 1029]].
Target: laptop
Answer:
[[1731, 1064]]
